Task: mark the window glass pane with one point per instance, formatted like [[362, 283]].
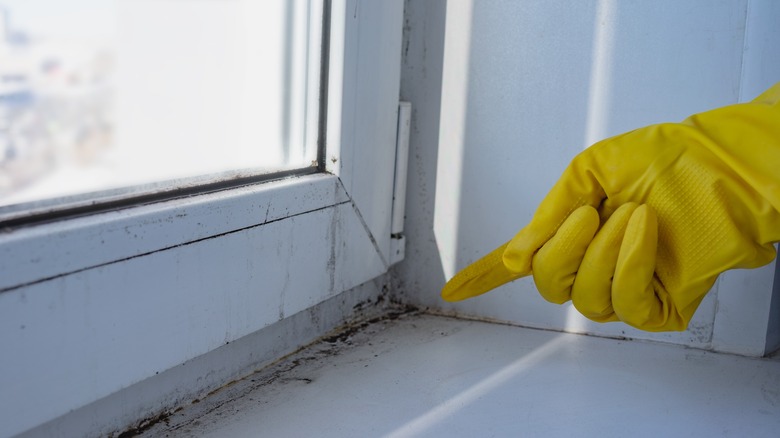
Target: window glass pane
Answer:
[[102, 94]]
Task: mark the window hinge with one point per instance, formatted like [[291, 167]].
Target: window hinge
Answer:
[[398, 241]]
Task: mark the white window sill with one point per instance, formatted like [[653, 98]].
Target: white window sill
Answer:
[[423, 375]]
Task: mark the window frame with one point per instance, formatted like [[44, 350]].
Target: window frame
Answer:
[[335, 224]]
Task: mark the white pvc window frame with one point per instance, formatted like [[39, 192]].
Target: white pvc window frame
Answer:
[[96, 303]]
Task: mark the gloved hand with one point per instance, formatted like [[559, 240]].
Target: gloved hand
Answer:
[[640, 225]]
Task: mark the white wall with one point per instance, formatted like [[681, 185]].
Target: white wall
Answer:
[[506, 93]]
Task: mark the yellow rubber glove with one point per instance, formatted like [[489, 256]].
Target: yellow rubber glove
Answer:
[[640, 225]]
